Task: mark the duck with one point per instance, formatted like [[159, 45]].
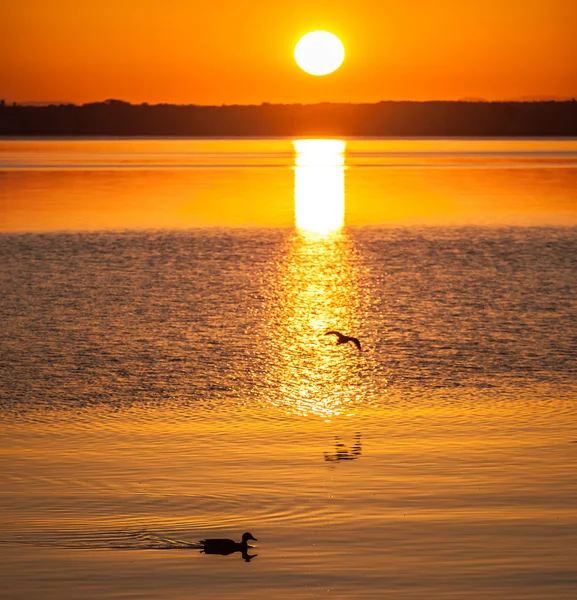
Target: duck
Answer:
[[225, 546]]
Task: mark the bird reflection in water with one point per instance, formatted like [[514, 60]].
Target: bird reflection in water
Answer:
[[316, 290], [225, 547], [342, 453]]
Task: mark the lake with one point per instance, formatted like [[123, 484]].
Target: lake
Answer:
[[165, 376]]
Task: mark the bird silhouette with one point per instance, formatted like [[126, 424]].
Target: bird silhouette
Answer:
[[225, 547], [343, 339]]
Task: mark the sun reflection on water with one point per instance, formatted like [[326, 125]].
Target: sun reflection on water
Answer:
[[316, 290], [319, 185]]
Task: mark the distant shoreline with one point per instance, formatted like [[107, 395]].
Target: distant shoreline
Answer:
[[115, 118]]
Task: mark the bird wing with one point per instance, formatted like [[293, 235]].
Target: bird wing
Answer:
[[334, 333], [356, 342]]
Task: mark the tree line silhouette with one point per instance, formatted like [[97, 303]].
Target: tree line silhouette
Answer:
[[435, 118]]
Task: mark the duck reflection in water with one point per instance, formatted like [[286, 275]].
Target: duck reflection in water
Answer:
[[342, 452], [224, 546]]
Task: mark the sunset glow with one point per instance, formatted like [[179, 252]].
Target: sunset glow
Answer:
[[230, 53], [287, 289]]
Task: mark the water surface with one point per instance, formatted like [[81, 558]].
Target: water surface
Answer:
[[165, 377]]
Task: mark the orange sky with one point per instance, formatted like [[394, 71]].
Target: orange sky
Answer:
[[233, 51]]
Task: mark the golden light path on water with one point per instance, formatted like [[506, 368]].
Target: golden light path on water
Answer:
[[319, 185], [316, 291]]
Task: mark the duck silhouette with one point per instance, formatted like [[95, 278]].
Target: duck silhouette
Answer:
[[343, 339], [224, 546]]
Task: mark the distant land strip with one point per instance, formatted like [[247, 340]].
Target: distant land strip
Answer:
[[435, 118]]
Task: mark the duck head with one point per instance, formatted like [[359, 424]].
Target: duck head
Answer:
[[248, 536]]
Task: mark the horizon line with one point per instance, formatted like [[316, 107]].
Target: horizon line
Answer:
[[465, 100]]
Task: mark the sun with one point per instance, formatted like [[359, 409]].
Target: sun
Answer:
[[319, 53]]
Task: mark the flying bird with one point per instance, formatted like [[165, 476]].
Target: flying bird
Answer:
[[343, 339]]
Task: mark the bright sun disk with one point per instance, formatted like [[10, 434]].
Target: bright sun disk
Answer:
[[319, 53]]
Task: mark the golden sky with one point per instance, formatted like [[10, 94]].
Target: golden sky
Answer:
[[241, 52]]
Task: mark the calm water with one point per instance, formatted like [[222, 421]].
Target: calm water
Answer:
[[165, 377]]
